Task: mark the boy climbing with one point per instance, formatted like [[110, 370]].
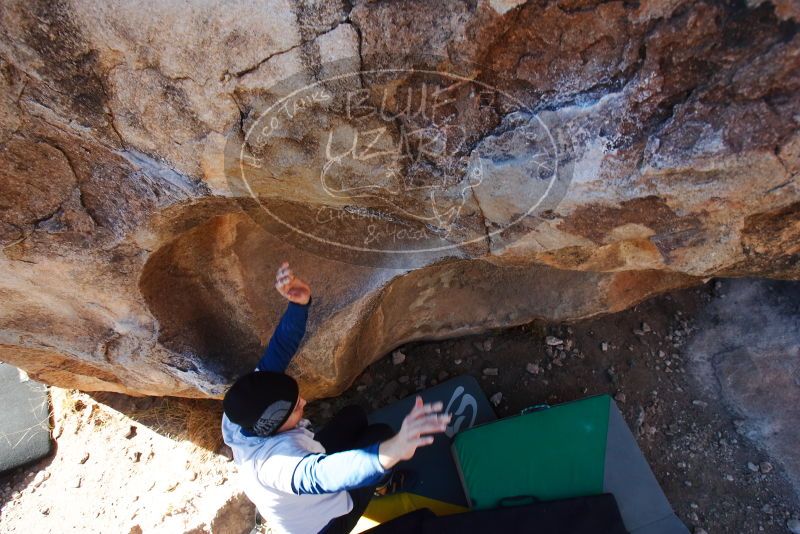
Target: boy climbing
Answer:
[[302, 481]]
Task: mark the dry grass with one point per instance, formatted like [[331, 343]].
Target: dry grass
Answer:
[[197, 421], [193, 420], [203, 424]]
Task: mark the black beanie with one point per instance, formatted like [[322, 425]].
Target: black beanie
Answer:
[[261, 401]]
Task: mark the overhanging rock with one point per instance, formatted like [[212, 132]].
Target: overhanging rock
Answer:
[[554, 161]]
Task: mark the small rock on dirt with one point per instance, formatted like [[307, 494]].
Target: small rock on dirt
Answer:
[[604, 346], [553, 341], [40, 477], [533, 368], [496, 399], [611, 373], [765, 467], [398, 357], [620, 397], [490, 371]]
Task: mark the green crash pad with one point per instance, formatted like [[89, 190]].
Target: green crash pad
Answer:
[[433, 465], [574, 449], [554, 454], [24, 419]]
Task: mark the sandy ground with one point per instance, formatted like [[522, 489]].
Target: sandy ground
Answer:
[[171, 475], [126, 472]]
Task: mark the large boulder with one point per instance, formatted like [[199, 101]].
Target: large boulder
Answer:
[[432, 170]]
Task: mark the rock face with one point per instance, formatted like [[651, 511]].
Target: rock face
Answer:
[[433, 170]]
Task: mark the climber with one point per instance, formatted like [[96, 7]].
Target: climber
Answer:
[[302, 481]]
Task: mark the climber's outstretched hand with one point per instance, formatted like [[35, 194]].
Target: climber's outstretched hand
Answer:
[[292, 288], [419, 424]]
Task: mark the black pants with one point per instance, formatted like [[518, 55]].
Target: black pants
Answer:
[[349, 430]]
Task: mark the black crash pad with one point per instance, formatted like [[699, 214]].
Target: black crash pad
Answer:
[[595, 514], [437, 477]]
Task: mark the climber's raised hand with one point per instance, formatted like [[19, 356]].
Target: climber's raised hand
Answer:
[[292, 288]]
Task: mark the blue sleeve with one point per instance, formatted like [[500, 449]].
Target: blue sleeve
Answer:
[[330, 473], [285, 340]]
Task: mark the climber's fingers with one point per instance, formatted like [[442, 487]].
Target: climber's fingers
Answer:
[[284, 276]]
